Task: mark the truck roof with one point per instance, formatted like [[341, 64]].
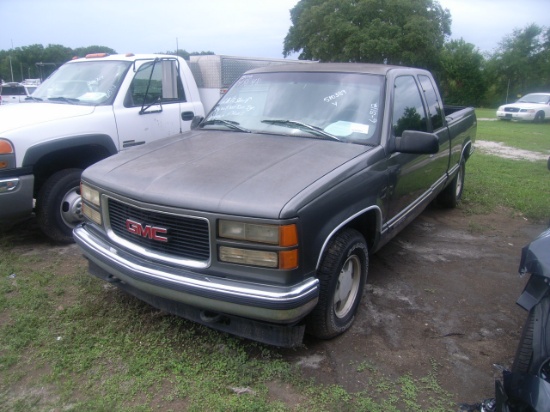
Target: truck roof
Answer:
[[367, 68], [125, 57]]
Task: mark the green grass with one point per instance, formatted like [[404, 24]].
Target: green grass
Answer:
[[63, 348], [521, 185], [484, 113], [68, 342], [528, 136]]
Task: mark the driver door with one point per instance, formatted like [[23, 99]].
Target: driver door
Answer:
[[153, 104]]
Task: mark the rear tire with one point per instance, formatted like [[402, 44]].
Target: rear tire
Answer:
[[342, 277], [58, 205], [450, 196]]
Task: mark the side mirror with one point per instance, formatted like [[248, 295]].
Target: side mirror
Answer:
[[415, 142], [196, 121]]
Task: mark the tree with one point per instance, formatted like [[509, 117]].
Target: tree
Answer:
[[185, 54], [407, 32], [18, 64], [461, 74], [521, 64], [37, 61], [83, 51]]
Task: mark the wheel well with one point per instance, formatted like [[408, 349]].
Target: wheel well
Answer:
[[467, 150], [78, 157], [368, 225]]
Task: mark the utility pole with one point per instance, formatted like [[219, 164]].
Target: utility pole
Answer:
[[11, 70]]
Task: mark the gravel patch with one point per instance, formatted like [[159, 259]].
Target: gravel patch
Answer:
[[501, 150]]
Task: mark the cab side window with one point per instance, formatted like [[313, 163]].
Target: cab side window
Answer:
[[434, 106], [155, 82], [408, 110]]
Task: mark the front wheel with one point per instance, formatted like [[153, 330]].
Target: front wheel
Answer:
[[58, 205], [342, 277], [533, 352], [539, 117]]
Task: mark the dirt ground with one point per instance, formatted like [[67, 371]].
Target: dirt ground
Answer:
[[443, 291]]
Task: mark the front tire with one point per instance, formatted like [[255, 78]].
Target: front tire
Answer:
[[539, 117], [533, 350], [58, 205], [342, 276]]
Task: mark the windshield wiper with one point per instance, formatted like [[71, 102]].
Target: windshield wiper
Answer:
[[64, 99], [229, 123], [302, 126], [38, 99]]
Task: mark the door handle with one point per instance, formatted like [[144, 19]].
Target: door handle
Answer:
[[187, 116]]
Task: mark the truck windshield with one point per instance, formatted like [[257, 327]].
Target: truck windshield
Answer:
[[88, 83], [336, 106]]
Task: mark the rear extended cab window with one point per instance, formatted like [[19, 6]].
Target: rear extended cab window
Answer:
[[12, 90], [434, 107]]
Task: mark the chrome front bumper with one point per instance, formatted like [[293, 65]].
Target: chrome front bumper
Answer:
[[16, 198], [269, 303]]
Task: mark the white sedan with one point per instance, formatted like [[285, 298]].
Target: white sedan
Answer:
[[531, 107]]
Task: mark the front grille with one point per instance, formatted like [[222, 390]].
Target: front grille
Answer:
[[511, 109], [188, 237]]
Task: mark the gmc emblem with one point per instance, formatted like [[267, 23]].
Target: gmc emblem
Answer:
[[148, 231]]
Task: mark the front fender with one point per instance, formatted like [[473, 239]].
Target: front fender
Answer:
[[37, 152], [534, 291]]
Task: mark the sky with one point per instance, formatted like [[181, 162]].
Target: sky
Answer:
[[255, 28]]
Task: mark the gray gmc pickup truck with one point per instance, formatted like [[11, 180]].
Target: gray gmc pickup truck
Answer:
[[260, 221]]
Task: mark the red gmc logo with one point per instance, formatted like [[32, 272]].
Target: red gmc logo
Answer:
[[148, 231]]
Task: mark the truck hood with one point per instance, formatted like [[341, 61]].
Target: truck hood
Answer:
[[525, 106], [15, 116], [226, 172]]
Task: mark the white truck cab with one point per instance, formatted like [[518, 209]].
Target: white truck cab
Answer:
[[91, 108]]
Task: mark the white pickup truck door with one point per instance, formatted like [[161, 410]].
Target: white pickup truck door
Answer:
[[152, 104]]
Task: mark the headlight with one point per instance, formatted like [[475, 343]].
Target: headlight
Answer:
[[91, 214], [7, 155], [89, 194], [91, 203], [5, 147], [265, 245], [285, 235], [249, 257], [283, 259]]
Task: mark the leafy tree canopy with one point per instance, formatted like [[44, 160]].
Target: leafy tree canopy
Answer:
[[521, 64], [461, 75], [185, 54], [37, 61], [406, 32]]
